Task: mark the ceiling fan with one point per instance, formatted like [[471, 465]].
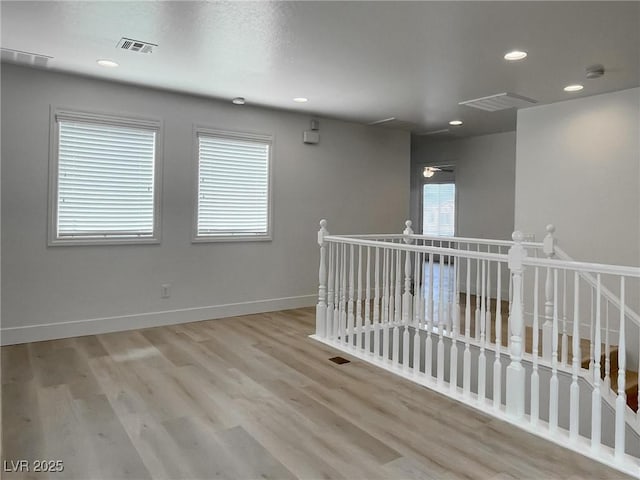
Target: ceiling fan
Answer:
[[429, 172]]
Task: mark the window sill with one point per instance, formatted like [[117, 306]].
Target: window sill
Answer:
[[232, 238], [102, 242]]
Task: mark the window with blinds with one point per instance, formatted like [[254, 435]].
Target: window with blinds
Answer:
[[233, 186], [438, 209], [105, 179]]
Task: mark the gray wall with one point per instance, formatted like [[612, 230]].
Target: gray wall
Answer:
[[485, 181], [356, 178], [578, 167]]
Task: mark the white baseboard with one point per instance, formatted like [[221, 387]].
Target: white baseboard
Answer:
[[94, 326]]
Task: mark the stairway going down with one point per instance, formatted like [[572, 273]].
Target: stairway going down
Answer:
[[631, 377]]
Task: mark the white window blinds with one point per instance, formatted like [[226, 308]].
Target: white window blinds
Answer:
[[233, 186], [438, 209], [105, 181]]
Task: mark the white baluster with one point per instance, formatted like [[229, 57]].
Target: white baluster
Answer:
[[350, 307], [418, 311], [548, 247], [343, 300], [591, 332], [336, 307], [487, 304], [596, 398], [359, 323], [367, 305], [407, 298], [321, 308], [466, 358], [428, 346], [607, 349], [376, 306], [440, 366], [621, 400], [478, 295], [398, 290], [553, 384], [453, 361], [515, 371], [574, 393], [330, 294], [395, 352], [535, 378], [497, 365], [387, 288], [482, 359], [565, 339], [392, 296]]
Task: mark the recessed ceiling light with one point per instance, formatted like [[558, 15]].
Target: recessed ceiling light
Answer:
[[515, 55], [573, 88], [107, 63], [455, 123], [300, 100], [238, 101]]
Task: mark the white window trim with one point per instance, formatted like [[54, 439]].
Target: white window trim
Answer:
[[213, 132], [107, 119]]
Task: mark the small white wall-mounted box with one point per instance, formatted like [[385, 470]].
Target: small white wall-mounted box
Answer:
[[311, 136]]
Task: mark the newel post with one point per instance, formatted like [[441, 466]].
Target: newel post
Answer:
[[407, 297], [515, 371], [321, 308], [548, 247]]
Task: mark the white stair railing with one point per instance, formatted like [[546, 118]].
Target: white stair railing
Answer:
[[407, 303]]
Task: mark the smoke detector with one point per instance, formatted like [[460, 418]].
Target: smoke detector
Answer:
[[499, 101], [137, 46]]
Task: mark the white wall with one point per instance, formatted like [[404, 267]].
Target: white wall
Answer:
[[578, 167], [485, 181], [356, 177]]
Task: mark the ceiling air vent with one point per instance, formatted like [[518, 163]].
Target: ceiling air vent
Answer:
[[135, 45], [500, 101], [25, 58], [393, 122], [442, 131]]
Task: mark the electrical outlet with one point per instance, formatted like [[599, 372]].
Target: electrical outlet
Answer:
[[165, 290]]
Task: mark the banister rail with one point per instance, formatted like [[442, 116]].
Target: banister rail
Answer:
[[561, 254], [420, 306]]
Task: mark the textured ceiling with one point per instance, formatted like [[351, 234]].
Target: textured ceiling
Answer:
[[360, 61]]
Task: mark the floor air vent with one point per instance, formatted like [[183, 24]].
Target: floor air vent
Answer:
[[500, 101], [339, 360], [136, 45]]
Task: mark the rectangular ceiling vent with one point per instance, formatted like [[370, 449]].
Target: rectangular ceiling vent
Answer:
[[25, 58], [393, 122], [500, 101], [428, 133], [137, 46]]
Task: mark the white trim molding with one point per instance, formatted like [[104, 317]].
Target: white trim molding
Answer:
[[95, 326]]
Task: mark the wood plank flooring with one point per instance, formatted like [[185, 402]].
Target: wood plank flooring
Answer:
[[243, 398]]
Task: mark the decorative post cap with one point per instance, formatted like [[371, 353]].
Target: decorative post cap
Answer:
[[517, 252], [322, 232], [408, 231], [549, 241]]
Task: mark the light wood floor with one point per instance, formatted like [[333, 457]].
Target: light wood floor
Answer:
[[248, 397]]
